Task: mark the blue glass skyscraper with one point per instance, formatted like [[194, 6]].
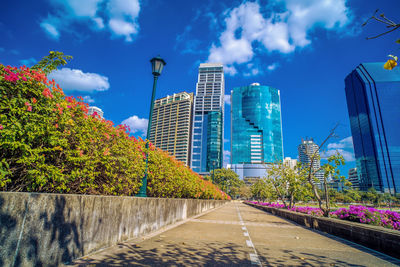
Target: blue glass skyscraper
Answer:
[[207, 130], [373, 101], [256, 134]]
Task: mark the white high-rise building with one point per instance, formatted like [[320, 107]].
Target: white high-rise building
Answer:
[[208, 119], [306, 150], [353, 178], [288, 161], [93, 109]]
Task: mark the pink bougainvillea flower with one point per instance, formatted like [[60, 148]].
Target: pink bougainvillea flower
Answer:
[[34, 100], [1, 127]]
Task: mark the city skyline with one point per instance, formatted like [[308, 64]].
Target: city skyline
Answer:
[[307, 60]]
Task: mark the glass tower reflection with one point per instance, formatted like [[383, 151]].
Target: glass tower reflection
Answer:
[[373, 96], [256, 125]]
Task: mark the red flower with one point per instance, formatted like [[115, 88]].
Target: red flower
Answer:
[[29, 107]]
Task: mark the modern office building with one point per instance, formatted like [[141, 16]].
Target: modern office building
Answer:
[[291, 163], [373, 95], [306, 150], [93, 109], [353, 178], [171, 125], [256, 129], [208, 119]]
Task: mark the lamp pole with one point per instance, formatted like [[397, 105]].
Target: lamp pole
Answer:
[[157, 64], [212, 176]]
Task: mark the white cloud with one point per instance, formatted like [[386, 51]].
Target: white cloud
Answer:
[[121, 16], [273, 66], [227, 99], [136, 124], [50, 29], [99, 23], [28, 62], [282, 31], [88, 99], [121, 27], [230, 70], [347, 155], [344, 143], [344, 147], [77, 80]]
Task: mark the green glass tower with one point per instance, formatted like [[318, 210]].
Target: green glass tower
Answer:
[[256, 128]]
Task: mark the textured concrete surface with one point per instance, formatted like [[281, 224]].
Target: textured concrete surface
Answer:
[[375, 237], [49, 229], [238, 235]]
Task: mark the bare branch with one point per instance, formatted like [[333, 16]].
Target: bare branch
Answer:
[[379, 35]]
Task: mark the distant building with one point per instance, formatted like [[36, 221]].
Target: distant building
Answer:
[[256, 129], [336, 184], [171, 125], [306, 149], [373, 96], [208, 119], [93, 109], [290, 162], [353, 178]]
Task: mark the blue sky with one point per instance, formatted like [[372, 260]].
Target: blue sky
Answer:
[[305, 48]]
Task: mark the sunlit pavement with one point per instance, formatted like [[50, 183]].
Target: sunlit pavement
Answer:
[[238, 235]]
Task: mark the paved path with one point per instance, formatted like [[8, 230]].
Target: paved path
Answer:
[[238, 235]]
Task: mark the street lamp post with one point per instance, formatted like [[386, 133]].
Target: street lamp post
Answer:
[[157, 65], [212, 175]]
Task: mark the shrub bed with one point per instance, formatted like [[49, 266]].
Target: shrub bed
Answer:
[[360, 214], [48, 143]]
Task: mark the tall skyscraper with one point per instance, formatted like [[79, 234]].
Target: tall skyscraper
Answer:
[[373, 95], [208, 122], [171, 125], [256, 129], [306, 149]]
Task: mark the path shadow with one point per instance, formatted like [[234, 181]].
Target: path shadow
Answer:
[[208, 254]]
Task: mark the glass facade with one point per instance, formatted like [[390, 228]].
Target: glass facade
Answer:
[[256, 134], [207, 141], [373, 95]]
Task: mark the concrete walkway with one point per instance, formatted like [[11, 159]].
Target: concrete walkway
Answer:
[[238, 235]]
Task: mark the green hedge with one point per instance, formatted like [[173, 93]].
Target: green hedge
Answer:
[[48, 143]]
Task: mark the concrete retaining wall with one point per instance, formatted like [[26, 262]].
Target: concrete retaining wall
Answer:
[[375, 237], [49, 229]]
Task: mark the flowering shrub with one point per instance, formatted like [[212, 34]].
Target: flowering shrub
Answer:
[[361, 214], [385, 218], [48, 143]]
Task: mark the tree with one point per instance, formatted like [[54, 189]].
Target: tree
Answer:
[[330, 169], [261, 190], [289, 183], [227, 180], [51, 62], [392, 26], [244, 192]]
